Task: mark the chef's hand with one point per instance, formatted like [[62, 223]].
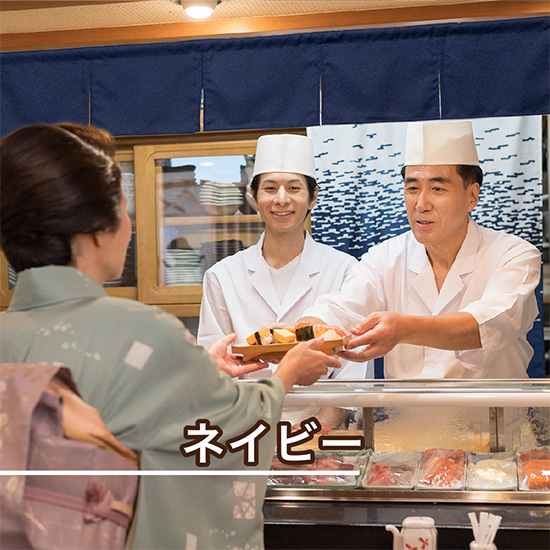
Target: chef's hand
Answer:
[[304, 364], [229, 362], [379, 333]]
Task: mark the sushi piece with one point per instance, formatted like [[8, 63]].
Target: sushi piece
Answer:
[[262, 336], [320, 330], [304, 332], [283, 336], [266, 336], [330, 334]]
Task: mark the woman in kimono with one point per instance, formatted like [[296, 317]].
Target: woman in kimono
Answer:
[[65, 230], [275, 280]]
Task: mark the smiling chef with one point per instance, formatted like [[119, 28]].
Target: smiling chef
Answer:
[[275, 280], [447, 299]]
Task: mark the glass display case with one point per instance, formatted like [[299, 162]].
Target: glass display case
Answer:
[[405, 424], [506, 422]]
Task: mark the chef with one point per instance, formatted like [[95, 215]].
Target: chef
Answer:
[[275, 280], [447, 299]]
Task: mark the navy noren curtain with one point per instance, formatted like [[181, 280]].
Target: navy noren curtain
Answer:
[[422, 72]]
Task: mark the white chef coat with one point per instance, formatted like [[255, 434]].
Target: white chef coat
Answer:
[[493, 277], [239, 295]]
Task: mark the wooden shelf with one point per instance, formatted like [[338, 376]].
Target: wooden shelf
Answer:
[[212, 220], [155, 230]]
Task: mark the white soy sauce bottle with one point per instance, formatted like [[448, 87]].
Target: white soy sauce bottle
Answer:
[[417, 532]]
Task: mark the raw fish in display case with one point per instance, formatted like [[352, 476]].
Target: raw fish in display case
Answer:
[[441, 469], [533, 468], [392, 470], [345, 461], [490, 471]]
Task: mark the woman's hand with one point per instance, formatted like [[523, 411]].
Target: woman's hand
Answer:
[[229, 362], [305, 364]]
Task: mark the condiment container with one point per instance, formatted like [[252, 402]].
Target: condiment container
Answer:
[[417, 532]]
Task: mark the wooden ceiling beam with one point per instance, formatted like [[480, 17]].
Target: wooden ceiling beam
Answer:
[[16, 5], [225, 28]]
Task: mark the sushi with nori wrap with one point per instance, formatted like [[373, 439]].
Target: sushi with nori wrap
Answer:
[[304, 333]]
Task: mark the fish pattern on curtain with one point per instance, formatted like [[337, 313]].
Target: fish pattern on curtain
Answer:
[[360, 202], [358, 169]]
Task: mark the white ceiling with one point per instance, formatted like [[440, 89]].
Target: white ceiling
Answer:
[[29, 17]]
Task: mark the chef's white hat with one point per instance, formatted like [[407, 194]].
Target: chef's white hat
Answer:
[[440, 142], [284, 153]]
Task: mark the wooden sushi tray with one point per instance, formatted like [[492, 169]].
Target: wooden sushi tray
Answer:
[[275, 352]]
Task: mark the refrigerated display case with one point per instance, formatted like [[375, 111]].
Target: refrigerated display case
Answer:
[[497, 420]]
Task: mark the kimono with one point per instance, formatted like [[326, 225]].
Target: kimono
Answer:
[[142, 370], [493, 277]]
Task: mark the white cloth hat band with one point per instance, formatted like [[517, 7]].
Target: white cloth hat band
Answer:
[[441, 142], [284, 153]]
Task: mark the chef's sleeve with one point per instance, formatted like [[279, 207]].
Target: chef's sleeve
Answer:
[[508, 307], [361, 294], [214, 319]]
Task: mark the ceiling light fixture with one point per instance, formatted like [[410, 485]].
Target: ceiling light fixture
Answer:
[[199, 9]]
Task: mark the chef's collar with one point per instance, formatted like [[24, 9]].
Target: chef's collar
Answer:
[[465, 257], [309, 262]]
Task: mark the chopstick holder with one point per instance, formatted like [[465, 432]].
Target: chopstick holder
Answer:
[[484, 530]]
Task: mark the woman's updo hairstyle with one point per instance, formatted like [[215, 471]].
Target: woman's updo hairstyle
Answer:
[[56, 181]]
